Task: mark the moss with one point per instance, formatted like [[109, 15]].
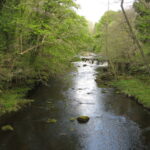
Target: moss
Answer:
[[7, 128], [51, 121], [134, 87]]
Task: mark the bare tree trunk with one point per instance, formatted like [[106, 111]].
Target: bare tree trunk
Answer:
[[134, 37]]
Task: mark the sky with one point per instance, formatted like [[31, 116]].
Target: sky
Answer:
[[92, 10]]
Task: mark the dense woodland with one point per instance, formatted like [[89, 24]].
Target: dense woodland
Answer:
[[115, 40], [128, 53], [39, 39]]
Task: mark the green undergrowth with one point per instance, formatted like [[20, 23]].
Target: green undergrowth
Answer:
[[13, 100], [138, 87]]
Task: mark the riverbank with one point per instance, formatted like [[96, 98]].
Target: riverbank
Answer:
[[136, 87], [16, 97], [13, 100]]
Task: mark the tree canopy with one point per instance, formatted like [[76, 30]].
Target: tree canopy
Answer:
[[39, 38]]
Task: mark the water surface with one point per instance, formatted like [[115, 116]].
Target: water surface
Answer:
[[116, 122]]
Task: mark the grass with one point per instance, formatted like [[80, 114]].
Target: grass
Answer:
[[138, 87], [13, 100]]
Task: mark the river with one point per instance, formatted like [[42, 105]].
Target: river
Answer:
[[116, 122]]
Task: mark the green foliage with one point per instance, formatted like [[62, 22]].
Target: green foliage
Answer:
[[114, 41], [100, 29], [142, 7], [38, 39]]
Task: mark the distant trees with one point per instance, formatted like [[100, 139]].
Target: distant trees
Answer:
[[122, 48], [120, 44]]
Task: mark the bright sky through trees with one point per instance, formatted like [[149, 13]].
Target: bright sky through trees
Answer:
[[94, 9]]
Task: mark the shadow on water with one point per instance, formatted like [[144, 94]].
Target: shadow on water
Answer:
[[116, 122]]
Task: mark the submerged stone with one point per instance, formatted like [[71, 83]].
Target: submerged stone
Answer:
[[89, 93], [118, 92], [51, 121], [72, 119], [63, 134], [84, 65], [104, 91], [72, 129], [83, 119], [7, 128]]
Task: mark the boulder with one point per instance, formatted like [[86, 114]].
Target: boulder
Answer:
[[83, 119]]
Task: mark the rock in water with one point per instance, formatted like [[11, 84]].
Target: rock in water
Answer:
[[51, 121], [7, 128], [84, 65], [83, 119], [72, 119]]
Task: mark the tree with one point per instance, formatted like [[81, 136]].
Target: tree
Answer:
[[142, 7], [38, 38], [134, 37]]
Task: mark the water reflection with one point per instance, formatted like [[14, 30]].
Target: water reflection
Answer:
[[86, 91]]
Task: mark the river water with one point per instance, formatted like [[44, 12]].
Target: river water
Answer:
[[116, 122]]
